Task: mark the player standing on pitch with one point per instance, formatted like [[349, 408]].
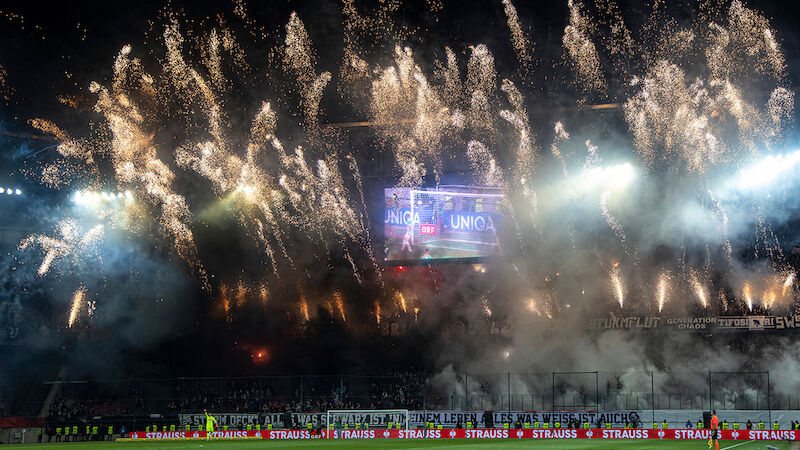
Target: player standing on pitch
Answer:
[[714, 430], [211, 421], [408, 239]]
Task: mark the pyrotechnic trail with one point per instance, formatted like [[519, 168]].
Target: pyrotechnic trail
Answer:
[[612, 222], [77, 301], [519, 39], [662, 290], [70, 243], [616, 284]]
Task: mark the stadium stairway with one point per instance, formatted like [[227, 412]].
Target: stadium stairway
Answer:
[[44, 409]]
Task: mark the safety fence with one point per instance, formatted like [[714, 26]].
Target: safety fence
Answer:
[[593, 390]]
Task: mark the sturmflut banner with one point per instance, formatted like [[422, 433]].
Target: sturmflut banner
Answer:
[[718, 323]]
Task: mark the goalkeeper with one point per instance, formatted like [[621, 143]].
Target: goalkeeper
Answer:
[[210, 422]]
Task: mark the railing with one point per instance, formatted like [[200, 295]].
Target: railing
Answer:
[[444, 391]]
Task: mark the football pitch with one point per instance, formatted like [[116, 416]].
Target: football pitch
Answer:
[[554, 444]]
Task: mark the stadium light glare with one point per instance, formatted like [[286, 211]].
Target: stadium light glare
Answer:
[[764, 172], [18, 191], [95, 198], [612, 178]]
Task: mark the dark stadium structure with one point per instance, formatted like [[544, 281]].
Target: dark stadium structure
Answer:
[[475, 216]]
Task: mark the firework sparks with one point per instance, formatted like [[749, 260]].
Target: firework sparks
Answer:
[[616, 284], [532, 306], [581, 51], [662, 290], [561, 135], [485, 306], [699, 289], [748, 298], [304, 308], [612, 222], [77, 301], [69, 243], [788, 283], [401, 301], [519, 40], [768, 298], [340, 305]]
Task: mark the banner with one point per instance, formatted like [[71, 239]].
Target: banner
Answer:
[[680, 434], [233, 420], [719, 323], [448, 419]]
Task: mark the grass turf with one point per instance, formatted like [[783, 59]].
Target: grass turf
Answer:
[[416, 443]]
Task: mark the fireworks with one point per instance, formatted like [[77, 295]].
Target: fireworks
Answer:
[[401, 300], [69, 243], [699, 289], [612, 222], [519, 40], [788, 283], [486, 309], [616, 284], [337, 296], [77, 301], [747, 296], [581, 51], [697, 99], [304, 308], [662, 290]]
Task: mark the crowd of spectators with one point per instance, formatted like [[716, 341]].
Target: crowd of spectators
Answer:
[[250, 395], [397, 391]]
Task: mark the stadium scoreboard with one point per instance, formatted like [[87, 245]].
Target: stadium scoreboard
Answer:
[[442, 223]]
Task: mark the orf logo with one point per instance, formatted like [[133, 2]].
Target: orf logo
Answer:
[[452, 433], [661, 434], [735, 435], [519, 433]]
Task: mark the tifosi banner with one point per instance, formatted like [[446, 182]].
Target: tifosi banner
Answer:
[[742, 435]]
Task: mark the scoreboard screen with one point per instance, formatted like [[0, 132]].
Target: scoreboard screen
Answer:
[[445, 222]]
